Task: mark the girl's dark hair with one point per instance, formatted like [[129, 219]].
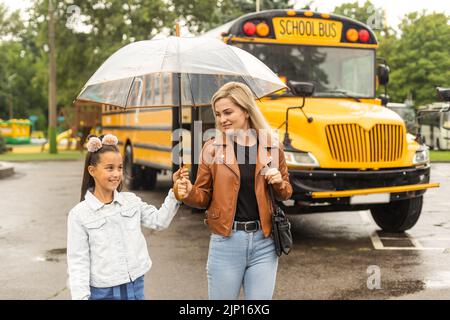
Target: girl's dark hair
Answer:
[[92, 158]]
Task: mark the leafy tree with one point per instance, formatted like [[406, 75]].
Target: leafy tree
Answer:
[[207, 14], [87, 36], [17, 67], [11, 24], [421, 60], [17, 70]]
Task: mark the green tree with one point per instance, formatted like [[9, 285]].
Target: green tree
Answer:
[[421, 60], [11, 24], [207, 14], [17, 67], [87, 34]]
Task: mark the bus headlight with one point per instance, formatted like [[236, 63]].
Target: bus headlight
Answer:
[[300, 158], [422, 155]]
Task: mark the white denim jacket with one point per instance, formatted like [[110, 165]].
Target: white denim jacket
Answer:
[[105, 244]]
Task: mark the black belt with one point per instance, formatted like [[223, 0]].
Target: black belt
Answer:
[[247, 226]]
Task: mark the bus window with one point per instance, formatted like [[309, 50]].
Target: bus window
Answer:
[[166, 89], [356, 77], [156, 89]]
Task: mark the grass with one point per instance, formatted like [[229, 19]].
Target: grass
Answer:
[[439, 155], [42, 156]]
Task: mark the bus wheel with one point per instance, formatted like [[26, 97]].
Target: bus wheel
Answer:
[[149, 178], [398, 216], [132, 176]]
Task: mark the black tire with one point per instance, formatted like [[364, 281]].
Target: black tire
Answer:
[[132, 175], [149, 178], [398, 216]]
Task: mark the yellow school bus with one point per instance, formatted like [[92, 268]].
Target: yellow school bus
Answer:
[[345, 150]]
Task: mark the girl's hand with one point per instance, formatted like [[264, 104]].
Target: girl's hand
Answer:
[[273, 175], [180, 173], [184, 187]]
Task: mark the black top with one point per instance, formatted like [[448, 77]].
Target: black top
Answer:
[[247, 206]]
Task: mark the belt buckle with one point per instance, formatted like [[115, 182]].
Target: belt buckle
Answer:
[[254, 229]]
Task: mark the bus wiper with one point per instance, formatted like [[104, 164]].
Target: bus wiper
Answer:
[[344, 93]]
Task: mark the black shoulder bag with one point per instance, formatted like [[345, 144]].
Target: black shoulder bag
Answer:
[[281, 228]]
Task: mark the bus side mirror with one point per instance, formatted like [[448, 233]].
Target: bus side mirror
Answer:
[[383, 74], [301, 89], [443, 94], [384, 99]]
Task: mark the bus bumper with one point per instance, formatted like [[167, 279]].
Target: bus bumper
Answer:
[[348, 190]]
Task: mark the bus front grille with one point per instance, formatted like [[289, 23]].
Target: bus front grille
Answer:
[[352, 143]]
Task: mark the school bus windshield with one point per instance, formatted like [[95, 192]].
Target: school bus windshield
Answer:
[[334, 71]]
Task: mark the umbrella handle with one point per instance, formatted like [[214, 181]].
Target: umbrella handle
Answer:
[[175, 186]]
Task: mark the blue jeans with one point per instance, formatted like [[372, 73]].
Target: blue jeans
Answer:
[[243, 259], [133, 290]]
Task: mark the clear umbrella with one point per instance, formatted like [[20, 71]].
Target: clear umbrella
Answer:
[[193, 68], [125, 79]]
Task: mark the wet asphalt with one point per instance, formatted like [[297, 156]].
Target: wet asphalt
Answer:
[[336, 255]]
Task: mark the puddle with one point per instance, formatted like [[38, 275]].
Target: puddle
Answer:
[[53, 255]]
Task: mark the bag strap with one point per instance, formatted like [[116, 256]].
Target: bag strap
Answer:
[[275, 207]]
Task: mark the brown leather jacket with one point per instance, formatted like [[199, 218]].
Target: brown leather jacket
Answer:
[[218, 179]]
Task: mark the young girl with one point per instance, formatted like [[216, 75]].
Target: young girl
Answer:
[[107, 253]]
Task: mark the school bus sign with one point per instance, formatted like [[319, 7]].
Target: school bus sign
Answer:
[[295, 29]]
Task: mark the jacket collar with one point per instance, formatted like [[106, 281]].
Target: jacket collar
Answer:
[[96, 204], [266, 147]]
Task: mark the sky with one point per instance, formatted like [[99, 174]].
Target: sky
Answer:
[[395, 9]]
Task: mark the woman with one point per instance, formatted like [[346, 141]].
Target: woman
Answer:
[[234, 189]]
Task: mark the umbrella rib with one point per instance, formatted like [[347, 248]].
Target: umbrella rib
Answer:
[[129, 92], [164, 57], [190, 89], [251, 89], [243, 77]]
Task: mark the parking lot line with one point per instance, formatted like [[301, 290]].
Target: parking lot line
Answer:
[[416, 243]]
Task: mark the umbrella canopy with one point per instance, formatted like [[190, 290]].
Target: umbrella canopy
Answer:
[[133, 75]]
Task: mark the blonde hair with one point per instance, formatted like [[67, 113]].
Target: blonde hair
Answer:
[[241, 95]]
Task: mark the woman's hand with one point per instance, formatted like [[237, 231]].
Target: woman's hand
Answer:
[[184, 187], [273, 175], [180, 173]]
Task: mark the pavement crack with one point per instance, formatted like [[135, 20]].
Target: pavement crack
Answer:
[[57, 293]]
